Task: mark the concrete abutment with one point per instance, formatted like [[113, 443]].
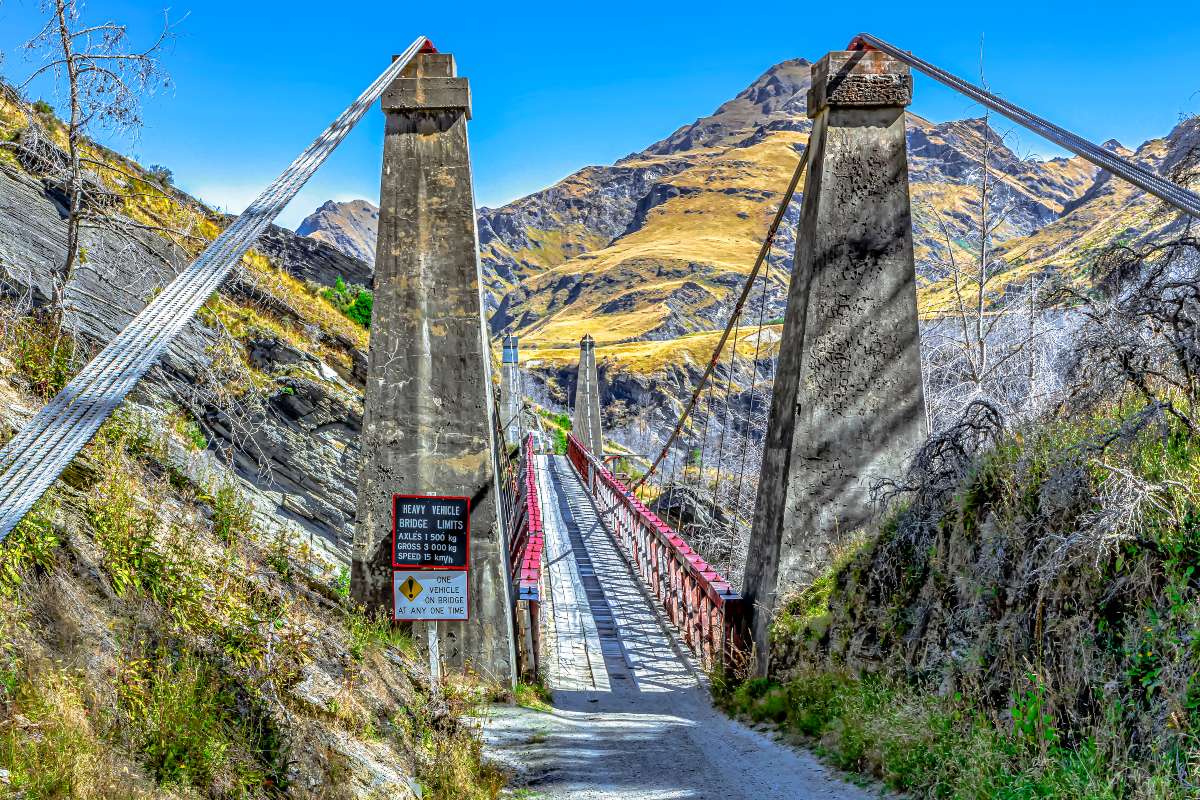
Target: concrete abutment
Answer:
[[586, 424], [848, 404], [428, 427]]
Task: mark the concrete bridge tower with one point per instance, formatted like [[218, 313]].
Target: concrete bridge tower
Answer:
[[510, 391], [848, 405], [586, 424], [427, 427]]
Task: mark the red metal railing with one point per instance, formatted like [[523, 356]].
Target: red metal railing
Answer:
[[523, 513], [529, 543], [698, 601]]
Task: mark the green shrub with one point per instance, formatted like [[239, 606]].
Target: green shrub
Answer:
[[341, 585], [127, 531], [375, 632], [190, 728], [161, 174], [816, 702], [360, 310], [127, 432], [806, 612], [41, 354], [535, 696], [1033, 725], [940, 747], [231, 519], [195, 437], [279, 556], [32, 544], [355, 302]]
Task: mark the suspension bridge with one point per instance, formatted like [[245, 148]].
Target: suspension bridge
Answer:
[[570, 569]]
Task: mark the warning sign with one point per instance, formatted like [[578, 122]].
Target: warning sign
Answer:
[[430, 594], [410, 588], [430, 531]]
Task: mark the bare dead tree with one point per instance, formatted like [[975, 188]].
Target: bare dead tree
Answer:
[[939, 466], [1141, 332], [104, 80], [993, 340]]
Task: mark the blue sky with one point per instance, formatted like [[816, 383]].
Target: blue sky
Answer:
[[557, 86]]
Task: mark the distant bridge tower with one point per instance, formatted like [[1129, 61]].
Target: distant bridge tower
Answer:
[[510, 391], [427, 427], [848, 404], [586, 424]]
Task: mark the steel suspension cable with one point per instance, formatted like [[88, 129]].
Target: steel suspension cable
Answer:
[[665, 483], [708, 405], [725, 420], [1165, 190], [737, 309], [762, 313], [38, 454]]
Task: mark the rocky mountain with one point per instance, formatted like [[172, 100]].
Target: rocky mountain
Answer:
[[775, 101], [349, 226], [1111, 210], [649, 253], [657, 244]]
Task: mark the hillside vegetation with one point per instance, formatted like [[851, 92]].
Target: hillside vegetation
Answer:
[[1025, 621], [174, 614]]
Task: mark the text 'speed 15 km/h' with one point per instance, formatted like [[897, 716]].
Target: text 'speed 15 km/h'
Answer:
[[430, 532]]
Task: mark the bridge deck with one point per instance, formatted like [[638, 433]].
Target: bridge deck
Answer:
[[631, 716]]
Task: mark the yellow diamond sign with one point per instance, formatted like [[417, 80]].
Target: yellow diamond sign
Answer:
[[410, 588]]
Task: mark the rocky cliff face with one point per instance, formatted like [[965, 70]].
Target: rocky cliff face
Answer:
[[310, 258], [291, 441], [211, 519]]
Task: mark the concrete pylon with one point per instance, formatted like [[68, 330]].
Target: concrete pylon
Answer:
[[848, 405], [427, 426], [586, 424], [510, 391]]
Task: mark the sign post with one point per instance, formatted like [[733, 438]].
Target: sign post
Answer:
[[431, 557]]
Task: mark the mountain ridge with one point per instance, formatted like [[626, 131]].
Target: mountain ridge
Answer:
[[655, 245]]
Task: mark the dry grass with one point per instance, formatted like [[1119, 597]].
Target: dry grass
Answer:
[[714, 228], [654, 357], [54, 745]]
